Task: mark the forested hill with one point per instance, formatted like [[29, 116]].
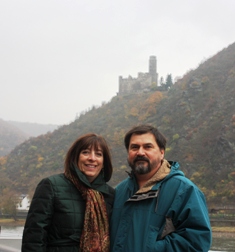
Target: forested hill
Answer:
[[197, 115]]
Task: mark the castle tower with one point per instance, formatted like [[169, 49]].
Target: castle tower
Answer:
[[153, 69], [152, 65]]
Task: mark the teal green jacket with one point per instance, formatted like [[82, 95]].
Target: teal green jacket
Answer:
[[56, 214], [173, 216]]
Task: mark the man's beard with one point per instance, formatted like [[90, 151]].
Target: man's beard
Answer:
[[141, 168]]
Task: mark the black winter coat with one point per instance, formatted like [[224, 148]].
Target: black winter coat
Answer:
[[55, 218]]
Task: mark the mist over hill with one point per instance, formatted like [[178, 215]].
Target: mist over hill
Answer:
[[13, 133], [10, 137], [34, 129], [196, 115]]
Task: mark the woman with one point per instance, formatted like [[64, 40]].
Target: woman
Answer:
[[70, 211]]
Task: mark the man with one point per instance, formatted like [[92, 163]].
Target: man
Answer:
[[157, 208]]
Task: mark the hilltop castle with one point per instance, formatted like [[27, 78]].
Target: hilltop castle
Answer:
[[143, 82]]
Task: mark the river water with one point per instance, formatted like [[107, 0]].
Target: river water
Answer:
[[221, 242]]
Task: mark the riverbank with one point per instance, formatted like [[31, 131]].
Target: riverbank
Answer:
[[228, 232], [225, 232], [12, 223], [21, 222]]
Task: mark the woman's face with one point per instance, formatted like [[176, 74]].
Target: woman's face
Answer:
[[90, 162]]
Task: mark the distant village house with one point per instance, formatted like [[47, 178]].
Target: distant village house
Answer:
[[24, 202]]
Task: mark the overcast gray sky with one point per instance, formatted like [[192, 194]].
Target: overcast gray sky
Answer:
[[61, 57]]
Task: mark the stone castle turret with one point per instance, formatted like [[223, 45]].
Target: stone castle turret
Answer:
[[143, 82]]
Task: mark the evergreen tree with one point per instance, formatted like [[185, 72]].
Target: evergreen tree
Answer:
[[169, 82]]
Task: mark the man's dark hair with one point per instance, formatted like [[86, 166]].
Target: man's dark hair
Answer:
[[143, 129]]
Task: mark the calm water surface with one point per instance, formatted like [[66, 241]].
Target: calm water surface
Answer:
[[11, 232]]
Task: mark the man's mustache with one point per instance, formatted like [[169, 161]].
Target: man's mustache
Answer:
[[138, 158]]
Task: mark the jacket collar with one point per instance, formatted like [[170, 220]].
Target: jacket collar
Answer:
[[167, 170]]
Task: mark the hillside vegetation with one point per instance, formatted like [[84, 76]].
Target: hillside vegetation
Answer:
[[197, 116]]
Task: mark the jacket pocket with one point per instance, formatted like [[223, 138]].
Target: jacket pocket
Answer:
[[151, 239]]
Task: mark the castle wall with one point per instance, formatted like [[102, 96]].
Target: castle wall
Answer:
[[144, 81], [135, 85]]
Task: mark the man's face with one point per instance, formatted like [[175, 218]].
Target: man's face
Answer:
[[144, 155]]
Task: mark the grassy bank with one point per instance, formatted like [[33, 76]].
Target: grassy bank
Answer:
[[21, 222], [223, 229], [11, 222]]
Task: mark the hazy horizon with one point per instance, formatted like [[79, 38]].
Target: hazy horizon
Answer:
[[60, 58]]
